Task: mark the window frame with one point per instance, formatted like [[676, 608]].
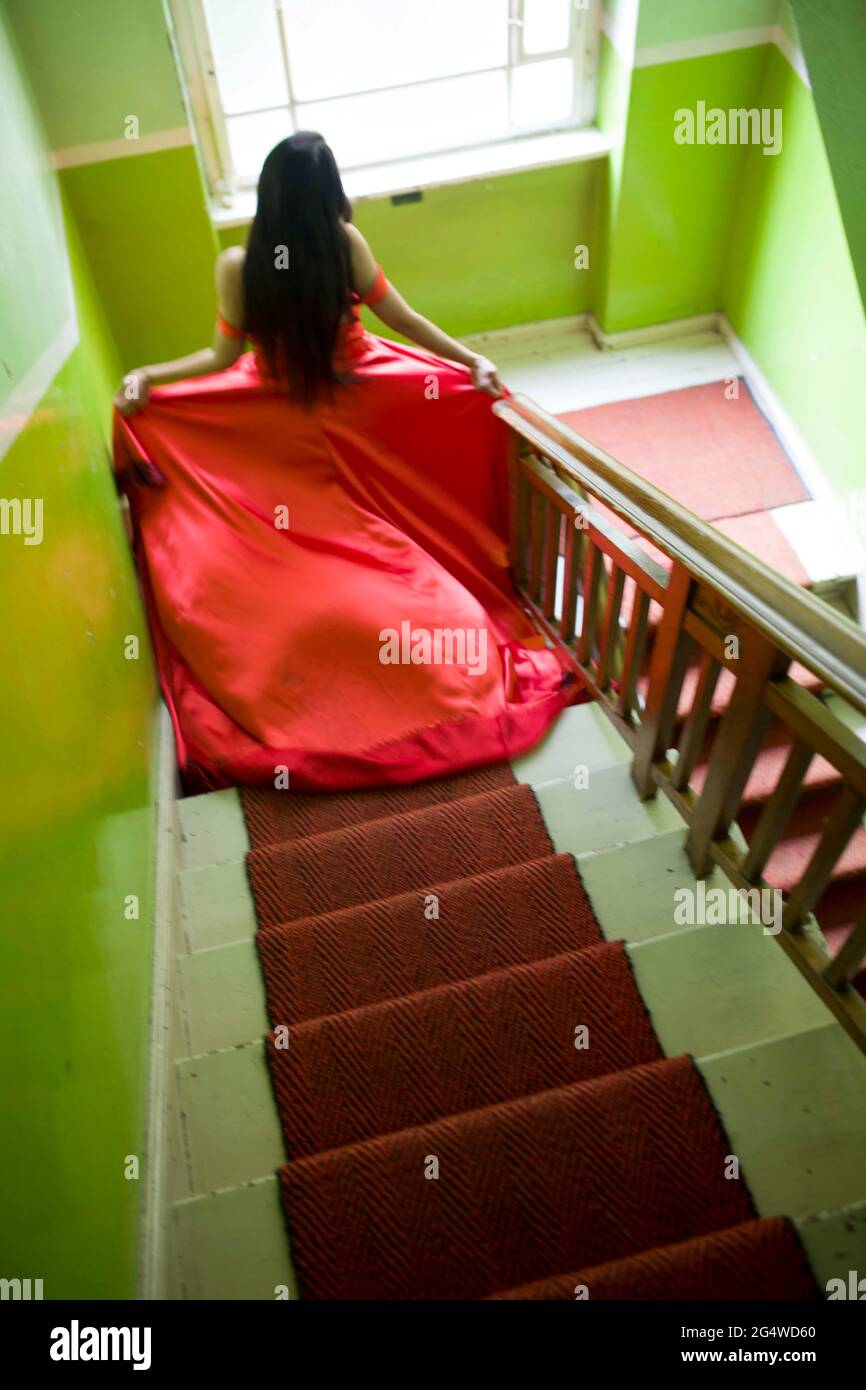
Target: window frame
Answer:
[[210, 121]]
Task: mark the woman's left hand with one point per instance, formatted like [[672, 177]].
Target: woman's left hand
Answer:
[[485, 378], [133, 392]]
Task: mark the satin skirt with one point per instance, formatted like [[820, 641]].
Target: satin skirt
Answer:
[[328, 590]]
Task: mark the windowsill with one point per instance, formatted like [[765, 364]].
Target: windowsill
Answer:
[[437, 170]]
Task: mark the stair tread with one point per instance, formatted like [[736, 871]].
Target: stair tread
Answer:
[[494, 1197], [340, 868], [756, 1261], [275, 817], [390, 947], [460, 1046]]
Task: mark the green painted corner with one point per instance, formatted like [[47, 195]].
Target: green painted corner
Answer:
[[672, 207], [151, 248]]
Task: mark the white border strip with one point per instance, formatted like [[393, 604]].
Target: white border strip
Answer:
[[709, 44], [155, 1188], [18, 407], [102, 150], [801, 457], [794, 54]]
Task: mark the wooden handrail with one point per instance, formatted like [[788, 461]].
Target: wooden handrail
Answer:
[[692, 668], [808, 629]]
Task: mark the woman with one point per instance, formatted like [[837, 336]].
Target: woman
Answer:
[[324, 553]]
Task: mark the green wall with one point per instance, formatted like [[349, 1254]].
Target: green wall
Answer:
[[673, 206], [151, 248], [504, 247], [791, 292], [672, 21], [143, 217], [76, 816], [95, 62]]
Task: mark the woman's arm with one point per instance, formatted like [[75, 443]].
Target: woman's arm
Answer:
[[135, 388], [393, 310]]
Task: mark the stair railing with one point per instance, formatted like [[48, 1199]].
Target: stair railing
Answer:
[[657, 640]]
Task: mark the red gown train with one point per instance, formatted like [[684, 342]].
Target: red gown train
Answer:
[[297, 566]]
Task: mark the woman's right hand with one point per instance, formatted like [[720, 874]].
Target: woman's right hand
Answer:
[[133, 392], [485, 377]]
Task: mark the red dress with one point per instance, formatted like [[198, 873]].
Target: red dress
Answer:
[[328, 589]]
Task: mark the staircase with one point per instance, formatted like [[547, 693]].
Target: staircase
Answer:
[[431, 955], [527, 949]]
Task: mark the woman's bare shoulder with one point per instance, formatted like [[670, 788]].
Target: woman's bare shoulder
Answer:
[[230, 264], [229, 276], [363, 261]]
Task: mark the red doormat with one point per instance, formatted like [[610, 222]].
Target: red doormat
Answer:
[[473, 1098], [718, 457]]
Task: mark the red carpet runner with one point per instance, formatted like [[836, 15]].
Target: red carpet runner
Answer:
[[433, 962]]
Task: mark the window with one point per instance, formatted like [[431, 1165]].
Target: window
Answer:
[[383, 80]]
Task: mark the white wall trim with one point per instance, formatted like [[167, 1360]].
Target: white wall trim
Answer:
[[703, 46], [707, 44], [18, 407], [793, 54], [653, 332], [801, 456], [567, 327], [102, 150], [153, 1249]]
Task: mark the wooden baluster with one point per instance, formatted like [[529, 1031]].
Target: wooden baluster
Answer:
[[845, 965], [592, 572], [667, 669], [519, 513], [570, 582], [777, 812], [843, 820], [552, 529], [633, 656], [610, 627], [536, 542], [695, 726], [741, 734]]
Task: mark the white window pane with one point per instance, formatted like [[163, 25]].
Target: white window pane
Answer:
[[545, 25], [394, 125], [245, 44], [341, 46], [251, 138], [542, 92]]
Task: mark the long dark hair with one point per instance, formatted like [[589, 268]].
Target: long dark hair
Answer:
[[297, 274]]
